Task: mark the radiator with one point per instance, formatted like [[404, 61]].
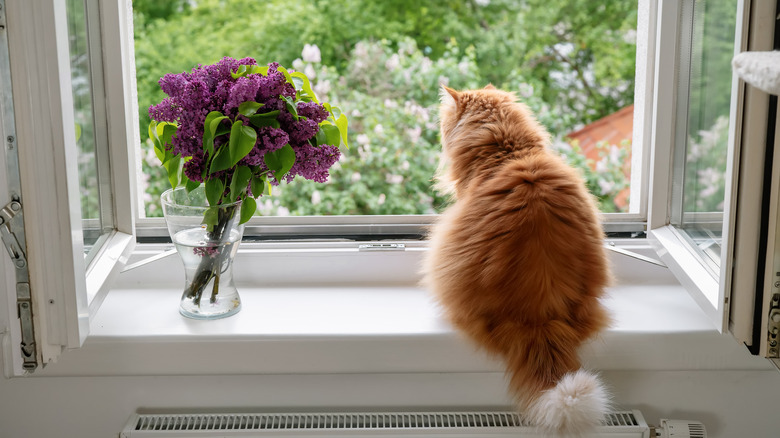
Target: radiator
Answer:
[[627, 424]]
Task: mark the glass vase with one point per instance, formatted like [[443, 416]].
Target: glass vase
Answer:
[[206, 252]]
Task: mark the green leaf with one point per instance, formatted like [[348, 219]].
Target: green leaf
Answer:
[[161, 133], [242, 140], [248, 208], [291, 108], [331, 134], [173, 167], [286, 74], [265, 119], [280, 161], [261, 122], [249, 107], [168, 130], [210, 126], [152, 131], [211, 217], [222, 129], [269, 114], [320, 137], [336, 111], [341, 122], [214, 190], [159, 152], [303, 84], [257, 69], [191, 185], [257, 183], [240, 72], [221, 160], [239, 182], [153, 135]]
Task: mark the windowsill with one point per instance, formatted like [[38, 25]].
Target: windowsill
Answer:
[[394, 327]]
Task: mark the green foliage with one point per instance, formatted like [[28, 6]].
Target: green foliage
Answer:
[[571, 61]]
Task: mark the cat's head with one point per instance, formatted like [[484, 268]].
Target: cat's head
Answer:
[[479, 130]]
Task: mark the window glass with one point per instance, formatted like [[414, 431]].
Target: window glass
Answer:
[[571, 61], [700, 167], [95, 207]]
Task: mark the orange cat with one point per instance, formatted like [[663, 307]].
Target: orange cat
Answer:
[[518, 261]]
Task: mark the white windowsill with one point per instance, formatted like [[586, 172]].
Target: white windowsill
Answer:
[[384, 326]]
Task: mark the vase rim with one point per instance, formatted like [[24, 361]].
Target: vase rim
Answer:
[[166, 198]]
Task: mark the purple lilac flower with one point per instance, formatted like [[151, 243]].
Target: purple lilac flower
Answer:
[[166, 111], [312, 111], [193, 168], [313, 162], [204, 251], [243, 90], [301, 130], [172, 84], [192, 95], [268, 140], [271, 87]]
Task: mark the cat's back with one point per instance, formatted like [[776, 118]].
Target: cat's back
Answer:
[[530, 226]]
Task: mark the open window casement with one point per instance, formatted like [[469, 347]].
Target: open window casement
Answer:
[[66, 126], [714, 249]]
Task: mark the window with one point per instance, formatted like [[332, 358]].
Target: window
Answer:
[[699, 178], [383, 64], [56, 115], [709, 167], [68, 288]]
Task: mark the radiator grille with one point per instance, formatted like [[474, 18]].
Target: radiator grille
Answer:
[[331, 421], [696, 430]]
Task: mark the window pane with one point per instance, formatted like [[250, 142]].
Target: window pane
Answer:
[[95, 191], [701, 161], [571, 61]]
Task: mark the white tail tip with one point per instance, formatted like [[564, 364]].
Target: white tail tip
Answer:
[[575, 406]]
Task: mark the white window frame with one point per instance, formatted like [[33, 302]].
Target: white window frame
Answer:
[[69, 293], [66, 292], [712, 291]]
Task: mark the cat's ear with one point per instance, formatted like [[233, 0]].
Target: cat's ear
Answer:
[[490, 87], [449, 96]]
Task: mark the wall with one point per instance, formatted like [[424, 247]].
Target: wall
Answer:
[[735, 403]]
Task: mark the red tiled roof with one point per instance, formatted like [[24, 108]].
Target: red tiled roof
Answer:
[[614, 129]]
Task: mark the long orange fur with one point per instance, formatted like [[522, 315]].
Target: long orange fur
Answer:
[[517, 261]]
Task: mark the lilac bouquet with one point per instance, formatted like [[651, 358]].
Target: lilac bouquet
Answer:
[[239, 128]]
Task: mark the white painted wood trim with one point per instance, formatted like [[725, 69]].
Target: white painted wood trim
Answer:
[[690, 271], [65, 291], [122, 107], [664, 110], [43, 107], [647, 27]]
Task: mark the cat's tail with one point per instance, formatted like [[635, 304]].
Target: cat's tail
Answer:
[[576, 405], [553, 392]]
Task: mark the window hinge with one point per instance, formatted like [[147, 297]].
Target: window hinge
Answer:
[[11, 220], [773, 337], [9, 230]]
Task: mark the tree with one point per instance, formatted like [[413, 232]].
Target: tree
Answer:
[[571, 61]]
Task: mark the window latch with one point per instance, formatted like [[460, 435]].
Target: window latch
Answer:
[[9, 230], [382, 247]]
